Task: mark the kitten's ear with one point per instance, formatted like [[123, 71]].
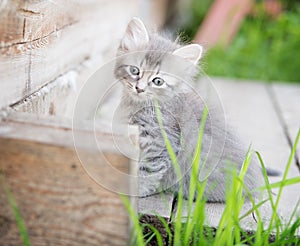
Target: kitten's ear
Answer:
[[191, 52], [136, 35]]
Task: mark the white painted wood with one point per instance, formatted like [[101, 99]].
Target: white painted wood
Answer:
[[249, 109], [40, 41], [56, 98], [288, 99], [60, 131], [160, 204], [214, 211]]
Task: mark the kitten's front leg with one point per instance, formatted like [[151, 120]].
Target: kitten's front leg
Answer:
[[152, 169], [154, 161], [149, 182]]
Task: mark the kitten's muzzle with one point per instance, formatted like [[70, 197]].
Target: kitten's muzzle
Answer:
[[139, 90]]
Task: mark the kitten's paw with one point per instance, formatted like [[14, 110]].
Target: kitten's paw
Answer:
[[145, 191]]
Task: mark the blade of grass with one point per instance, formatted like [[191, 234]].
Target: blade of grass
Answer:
[[156, 233], [294, 213], [229, 230], [290, 160], [260, 224], [199, 224], [177, 231], [270, 197], [224, 230], [239, 196], [167, 227], [167, 141], [194, 180], [289, 234], [149, 236], [254, 208], [284, 183], [16, 211], [135, 220]]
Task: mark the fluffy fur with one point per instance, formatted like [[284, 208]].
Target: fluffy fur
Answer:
[[153, 68]]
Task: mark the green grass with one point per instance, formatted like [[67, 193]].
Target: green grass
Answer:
[[229, 231], [264, 48], [16, 211]]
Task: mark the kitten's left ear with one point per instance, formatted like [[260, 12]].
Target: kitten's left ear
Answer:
[[136, 35], [191, 52]]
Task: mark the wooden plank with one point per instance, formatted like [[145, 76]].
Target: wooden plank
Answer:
[[250, 111], [78, 86], [159, 204], [287, 97], [56, 98], [42, 40], [249, 108], [58, 200], [88, 139], [214, 211]]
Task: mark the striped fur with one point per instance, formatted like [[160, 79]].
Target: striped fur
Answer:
[[181, 111]]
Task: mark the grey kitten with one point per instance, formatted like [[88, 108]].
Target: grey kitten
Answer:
[[152, 68]]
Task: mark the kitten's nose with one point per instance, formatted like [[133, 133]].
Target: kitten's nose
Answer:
[[139, 90]]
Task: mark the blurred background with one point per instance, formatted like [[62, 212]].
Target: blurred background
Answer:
[[250, 39]]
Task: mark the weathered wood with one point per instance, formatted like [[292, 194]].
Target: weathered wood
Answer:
[[159, 204], [40, 40], [60, 203], [56, 98], [214, 211], [250, 110], [287, 99]]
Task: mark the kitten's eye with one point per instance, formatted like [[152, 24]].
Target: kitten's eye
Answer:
[[134, 70], [158, 81]]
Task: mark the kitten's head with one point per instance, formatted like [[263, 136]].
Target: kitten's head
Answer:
[[151, 66]]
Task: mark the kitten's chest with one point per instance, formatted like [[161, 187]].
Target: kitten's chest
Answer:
[[148, 118], [151, 130]]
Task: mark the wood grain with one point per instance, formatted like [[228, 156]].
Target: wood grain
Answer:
[[40, 40], [157, 204], [56, 98], [287, 99], [59, 202], [250, 109]]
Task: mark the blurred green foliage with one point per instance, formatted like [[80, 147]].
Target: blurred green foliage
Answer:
[[198, 10], [265, 48]]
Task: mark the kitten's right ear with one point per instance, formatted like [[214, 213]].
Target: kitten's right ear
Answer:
[[191, 52], [135, 36]]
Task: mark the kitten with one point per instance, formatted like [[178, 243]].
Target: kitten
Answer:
[[154, 69]]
